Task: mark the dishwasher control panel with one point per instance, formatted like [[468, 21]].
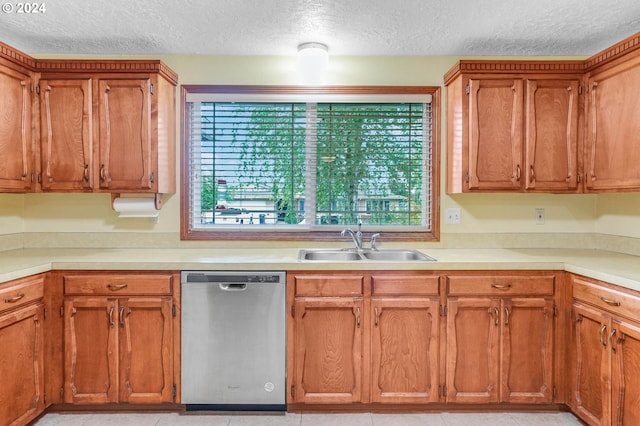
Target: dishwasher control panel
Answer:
[[225, 277]]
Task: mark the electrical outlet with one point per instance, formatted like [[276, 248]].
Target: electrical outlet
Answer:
[[452, 216], [539, 216]]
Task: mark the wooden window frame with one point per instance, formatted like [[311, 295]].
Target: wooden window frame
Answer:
[[186, 233]]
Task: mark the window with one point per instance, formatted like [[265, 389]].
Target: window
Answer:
[[270, 162]]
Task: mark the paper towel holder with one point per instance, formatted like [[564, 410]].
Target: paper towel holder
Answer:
[[157, 198]]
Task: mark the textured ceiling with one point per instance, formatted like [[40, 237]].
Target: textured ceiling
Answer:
[[348, 27]]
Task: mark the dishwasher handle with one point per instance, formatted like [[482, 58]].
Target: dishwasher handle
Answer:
[[233, 286]]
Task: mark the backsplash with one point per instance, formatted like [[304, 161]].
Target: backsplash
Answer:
[[109, 240]]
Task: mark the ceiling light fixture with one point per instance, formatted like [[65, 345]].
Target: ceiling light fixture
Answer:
[[313, 59]]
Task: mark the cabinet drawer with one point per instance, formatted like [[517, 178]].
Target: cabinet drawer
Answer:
[[20, 292], [404, 285], [620, 303], [118, 284], [501, 285], [329, 285]]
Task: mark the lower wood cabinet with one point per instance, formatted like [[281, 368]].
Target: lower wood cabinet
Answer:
[[119, 339], [405, 339], [360, 338], [328, 323], [383, 337], [604, 354], [500, 339], [21, 350]]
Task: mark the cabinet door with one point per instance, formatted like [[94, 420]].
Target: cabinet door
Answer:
[[21, 365], [591, 363], [625, 349], [91, 350], [551, 129], [473, 350], [495, 134], [66, 134], [613, 134], [16, 167], [125, 135], [328, 350], [404, 353], [527, 351], [146, 348]]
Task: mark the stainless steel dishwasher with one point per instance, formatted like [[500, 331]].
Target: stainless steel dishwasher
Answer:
[[233, 340]]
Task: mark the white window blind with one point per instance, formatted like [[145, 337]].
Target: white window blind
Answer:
[[266, 164]]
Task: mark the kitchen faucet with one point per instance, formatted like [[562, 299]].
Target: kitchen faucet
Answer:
[[356, 236]]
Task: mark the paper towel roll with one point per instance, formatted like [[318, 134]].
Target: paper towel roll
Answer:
[[135, 207]]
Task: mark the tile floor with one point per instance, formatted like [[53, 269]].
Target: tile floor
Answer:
[[293, 419]]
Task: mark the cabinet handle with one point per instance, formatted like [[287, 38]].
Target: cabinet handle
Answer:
[[533, 174], [111, 323], [117, 286], [122, 316], [104, 175], [602, 338], [358, 317], [501, 286], [611, 336], [86, 173], [506, 313], [14, 299], [518, 173], [610, 301], [496, 313], [377, 315]]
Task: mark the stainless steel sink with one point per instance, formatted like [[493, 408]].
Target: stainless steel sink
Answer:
[[366, 255], [329, 255], [396, 256]]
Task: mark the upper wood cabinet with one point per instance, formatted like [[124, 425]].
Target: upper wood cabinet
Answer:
[[17, 171], [86, 125], [495, 133], [126, 151], [551, 134], [613, 122], [111, 132], [66, 134], [546, 126], [512, 127]]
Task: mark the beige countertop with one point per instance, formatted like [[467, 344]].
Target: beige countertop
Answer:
[[616, 268]]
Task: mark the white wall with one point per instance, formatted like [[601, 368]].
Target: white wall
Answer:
[[11, 213]]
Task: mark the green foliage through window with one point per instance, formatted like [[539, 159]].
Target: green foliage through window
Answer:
[[310, 164]]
